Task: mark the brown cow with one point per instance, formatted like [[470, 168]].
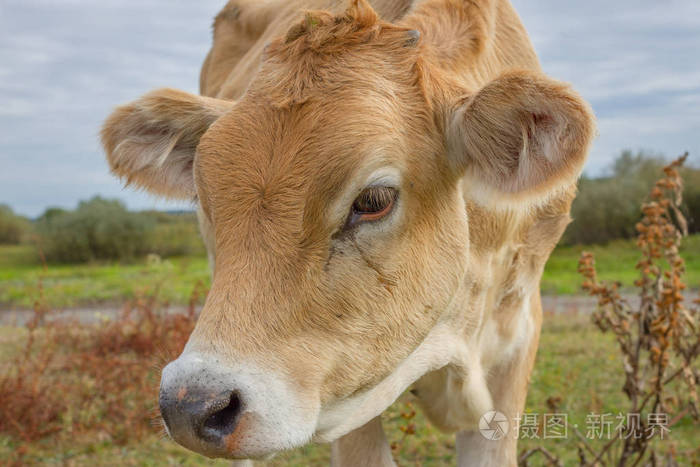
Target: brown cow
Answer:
[[379, 190]]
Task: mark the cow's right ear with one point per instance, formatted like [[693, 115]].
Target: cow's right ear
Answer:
[[523, 135], [151, 142]]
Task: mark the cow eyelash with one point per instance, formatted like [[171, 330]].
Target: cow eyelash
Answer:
[[372, 204]]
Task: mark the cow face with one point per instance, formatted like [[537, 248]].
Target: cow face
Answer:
[[332, 199]]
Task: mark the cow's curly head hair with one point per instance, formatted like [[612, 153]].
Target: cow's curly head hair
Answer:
[[314, 48]]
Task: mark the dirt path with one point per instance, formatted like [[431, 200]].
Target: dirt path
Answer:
[[550, 304], [83, 315], [556, 304]]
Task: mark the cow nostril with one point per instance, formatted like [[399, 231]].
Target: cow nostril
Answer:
[[223, 422]]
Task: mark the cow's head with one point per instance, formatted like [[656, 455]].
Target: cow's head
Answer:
[[333, 196]]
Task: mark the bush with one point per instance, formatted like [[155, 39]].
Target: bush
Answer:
[[14, 229], [93, 380], [101, 229], [658, 339], [607, 208], [175, 235], [97, 229], [691, 199]]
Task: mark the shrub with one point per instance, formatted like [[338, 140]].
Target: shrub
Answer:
[[607, 208], [175, 235], [13, 228], [691, 199], [101, 229], [658, 338], [74, 378], [97, 229]]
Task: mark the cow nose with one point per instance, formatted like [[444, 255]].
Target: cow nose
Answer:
[[194, 413], [221, 422]]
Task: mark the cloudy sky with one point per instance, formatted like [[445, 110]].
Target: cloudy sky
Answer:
[[65, 63]]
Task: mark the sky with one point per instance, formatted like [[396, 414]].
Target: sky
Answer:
[[64, 64]]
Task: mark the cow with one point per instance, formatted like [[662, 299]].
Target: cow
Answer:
[[379, 185]]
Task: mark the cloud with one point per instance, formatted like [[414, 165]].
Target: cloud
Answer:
[[635, 61], [67, 63]]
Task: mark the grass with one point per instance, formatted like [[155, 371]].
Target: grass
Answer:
[[72, 285], [615, 261], [95, 413], [110, 283], [577, 372]]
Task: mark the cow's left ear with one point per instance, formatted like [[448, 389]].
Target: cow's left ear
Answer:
[[521, 134]]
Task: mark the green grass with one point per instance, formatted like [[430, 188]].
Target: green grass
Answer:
[[577, 366], [105, 283], [65, 285], [614, 261]]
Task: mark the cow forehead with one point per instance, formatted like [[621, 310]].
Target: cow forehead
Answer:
[[284, 159]]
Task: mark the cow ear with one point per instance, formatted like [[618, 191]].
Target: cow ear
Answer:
[[151, 142], [521, 135]]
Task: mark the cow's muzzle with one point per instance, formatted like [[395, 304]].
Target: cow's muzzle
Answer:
[[235, 410], [200, 409], [197, 413]]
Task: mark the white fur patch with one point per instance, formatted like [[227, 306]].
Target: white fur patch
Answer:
[[433, 353], [279, 419], [496, 348]]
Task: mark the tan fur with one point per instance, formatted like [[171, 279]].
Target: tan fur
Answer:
[[365, 446], [487, 152], [150, 142], [522, 133]]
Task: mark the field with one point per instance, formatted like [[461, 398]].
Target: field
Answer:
[[110, 283], [118, 358], [577, 373], [67, 285]]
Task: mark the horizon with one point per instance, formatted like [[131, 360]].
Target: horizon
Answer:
[[192, 209]]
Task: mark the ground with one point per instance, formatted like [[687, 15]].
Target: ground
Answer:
[[577, 371], [111, 283]]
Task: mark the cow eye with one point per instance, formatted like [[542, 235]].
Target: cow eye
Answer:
[[374, 203]]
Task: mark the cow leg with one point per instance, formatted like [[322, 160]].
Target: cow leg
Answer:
[[490, 449], [473, 450], [508, 385], [365, 446], [242, 463]]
